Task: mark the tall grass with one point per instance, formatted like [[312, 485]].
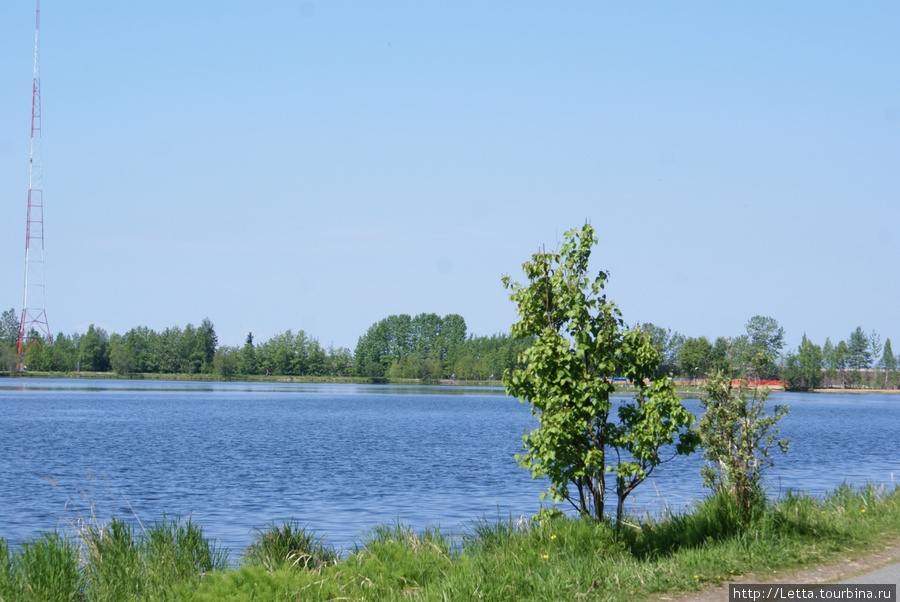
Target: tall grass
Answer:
[[122, 564], [546, 558], [44, 569], [289, 544]]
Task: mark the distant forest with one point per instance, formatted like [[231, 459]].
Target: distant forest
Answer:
[[431, 347], [401, 347]]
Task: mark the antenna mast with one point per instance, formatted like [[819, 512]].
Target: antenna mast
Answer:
[[33, 326]]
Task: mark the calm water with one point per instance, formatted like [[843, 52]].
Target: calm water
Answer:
[[341, 458]]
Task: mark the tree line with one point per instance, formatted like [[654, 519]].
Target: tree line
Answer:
[[860, 361], [431, 347], [426, 346]]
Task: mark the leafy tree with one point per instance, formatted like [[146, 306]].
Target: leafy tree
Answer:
[[93, 350], [8, 358], [37, 354], [667, 344], [9, 333], [839, 360], [119, 355], [205, 344], [720, 359], [388, 343], [137, 342], [373, 350], [579, 345], [226, 360], [828, 360], [9, 327], [803, 370], [453, 340], [248, 362], [695, 357], [766, 339], [737, 436], [426, 333], [339, 361]]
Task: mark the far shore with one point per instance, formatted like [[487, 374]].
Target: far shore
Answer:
[[681, 388], [832, 390]]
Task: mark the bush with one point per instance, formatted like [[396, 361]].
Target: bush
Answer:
[[737, 435]]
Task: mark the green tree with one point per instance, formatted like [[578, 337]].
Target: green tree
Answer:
[[9, 327], [119, 356], [667, 344], [803, 370], [339, 361], [63, 353], [248, 362], [839, 358], [93, 350], [766, 339], [828, 361], [226, 360], [37, 354], [875, 349], [205, 343], [137, 342], [859, 355], [888, 362], [453, 340], [737, 436], [579, 344], [695, 357], [9, 333]]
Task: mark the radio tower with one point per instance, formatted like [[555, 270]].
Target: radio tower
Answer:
[[34, 319]]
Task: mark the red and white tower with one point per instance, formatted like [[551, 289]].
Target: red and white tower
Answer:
[[33, 328]]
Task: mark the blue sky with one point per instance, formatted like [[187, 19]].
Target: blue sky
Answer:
[[320, 165]]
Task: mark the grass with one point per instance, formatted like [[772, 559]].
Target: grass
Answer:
[[550, 557], [109, 562]]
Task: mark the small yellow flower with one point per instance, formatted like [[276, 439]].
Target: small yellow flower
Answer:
[[731, 571], [553, 537], [546, 556], [863, 510], [696, 576]]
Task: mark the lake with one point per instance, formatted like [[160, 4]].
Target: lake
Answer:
[[343, 458]]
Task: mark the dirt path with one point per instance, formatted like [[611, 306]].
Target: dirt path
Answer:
[[842, 569]]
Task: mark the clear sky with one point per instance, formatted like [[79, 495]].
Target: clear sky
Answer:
[[320, 165]]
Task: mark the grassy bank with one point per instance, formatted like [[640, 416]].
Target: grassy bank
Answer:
[[554, 558]]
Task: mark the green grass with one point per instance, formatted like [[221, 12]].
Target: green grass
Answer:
[[109, 562], [289, 545], [546, 558]]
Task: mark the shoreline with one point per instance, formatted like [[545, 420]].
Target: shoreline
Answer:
[[686, 389]]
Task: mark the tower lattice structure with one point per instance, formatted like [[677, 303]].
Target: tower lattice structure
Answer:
[[33, 327]]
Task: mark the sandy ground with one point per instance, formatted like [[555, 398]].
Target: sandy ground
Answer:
[[851, 566]]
